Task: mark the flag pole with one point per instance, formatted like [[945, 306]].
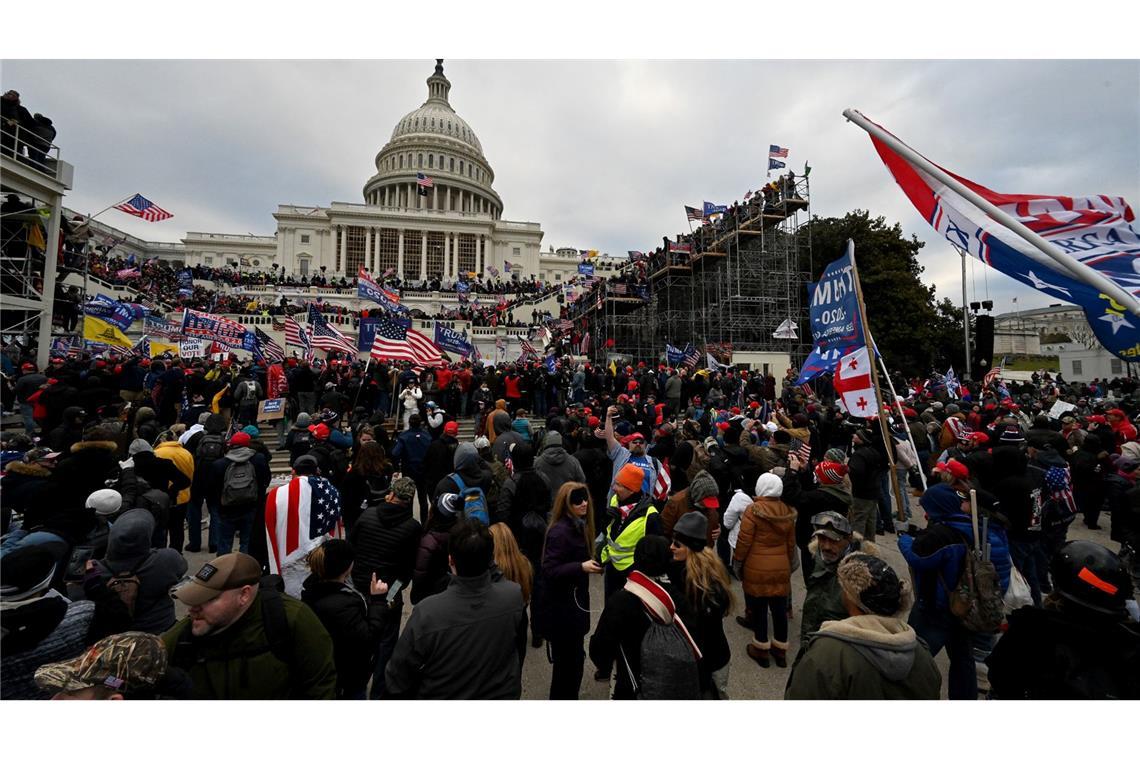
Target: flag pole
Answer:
[[870, 344], [1053, 258], [902, 417]]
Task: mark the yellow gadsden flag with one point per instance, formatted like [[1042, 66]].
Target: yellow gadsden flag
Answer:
[[158, 348], [98, 331]]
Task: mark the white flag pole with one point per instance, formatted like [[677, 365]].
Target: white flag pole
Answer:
[[1053, 258], [902, 416]]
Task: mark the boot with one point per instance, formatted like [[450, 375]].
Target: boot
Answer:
[[780, 653], [744, 621], [760, 651]]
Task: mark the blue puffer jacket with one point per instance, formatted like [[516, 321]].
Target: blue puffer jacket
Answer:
[[940, 550]]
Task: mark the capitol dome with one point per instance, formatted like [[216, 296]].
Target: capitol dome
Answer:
[[436, 142]]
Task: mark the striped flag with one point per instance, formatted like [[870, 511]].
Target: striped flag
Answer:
[[300, 515], [267, 347], [295, 334], [144, 209], [423, 181], [690, 356], [527, 348], [663, 482], [328, 337], [693, 214], [775, 151], [395, 342]]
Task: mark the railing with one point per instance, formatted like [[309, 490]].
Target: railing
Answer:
[[30, 149], [236, 238]]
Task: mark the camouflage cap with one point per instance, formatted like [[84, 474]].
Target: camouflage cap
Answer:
[[121, 662], [404, 489]]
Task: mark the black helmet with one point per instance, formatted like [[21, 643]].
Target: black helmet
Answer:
[[1092, 576]]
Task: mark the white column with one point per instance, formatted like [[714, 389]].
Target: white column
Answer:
[[385, 196], [400, 255], [343, 250], [479, 266], [447, 245], [450, 200], [435, 198], [369, 261], [423, 256]]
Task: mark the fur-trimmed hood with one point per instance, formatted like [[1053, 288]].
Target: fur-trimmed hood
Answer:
[[887, 643], [27, 470], [857, 545], [94, 446]]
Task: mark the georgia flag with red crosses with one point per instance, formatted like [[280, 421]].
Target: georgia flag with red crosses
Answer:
[[853, 384]]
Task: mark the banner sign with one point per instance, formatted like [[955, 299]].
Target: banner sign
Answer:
[[193, 348], [121, 315], [225, 331], [835, 324], [271, 409], [451, 340], [157, 327], [586, 269]]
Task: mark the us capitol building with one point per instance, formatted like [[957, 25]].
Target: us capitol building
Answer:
[[457, 226]]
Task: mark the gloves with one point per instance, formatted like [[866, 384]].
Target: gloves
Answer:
[[738, 568]]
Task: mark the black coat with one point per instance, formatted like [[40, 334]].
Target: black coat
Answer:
[[865, 466], [432, 571], [564, 607], [355, 625], [385, 538], [706, 625], [809, 501], [439, 460]]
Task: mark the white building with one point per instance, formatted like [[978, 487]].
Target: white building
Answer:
[[1060, 330]]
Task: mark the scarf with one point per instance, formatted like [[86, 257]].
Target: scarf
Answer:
[[658, 604]]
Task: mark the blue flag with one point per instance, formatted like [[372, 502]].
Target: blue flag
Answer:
[[712, 208], [774, 164], [451, 340], [835, 326], [673, 355]]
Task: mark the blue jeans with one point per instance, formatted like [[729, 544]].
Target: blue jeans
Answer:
[[242, 525], [1029, 559], [26, 411], [939, 629], [385, 648]]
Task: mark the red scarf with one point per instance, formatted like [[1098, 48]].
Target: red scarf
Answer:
[[658, 604]]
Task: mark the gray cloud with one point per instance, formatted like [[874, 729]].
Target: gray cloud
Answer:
[[602, 153]]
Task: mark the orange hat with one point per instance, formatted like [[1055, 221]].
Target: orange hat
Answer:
[[631, 476]]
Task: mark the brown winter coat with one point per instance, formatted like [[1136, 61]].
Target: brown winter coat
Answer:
[[766, 544], [677, 506]]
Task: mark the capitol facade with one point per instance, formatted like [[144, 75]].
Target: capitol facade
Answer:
[[402, 227]]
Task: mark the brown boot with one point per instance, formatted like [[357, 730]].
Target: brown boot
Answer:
[[780, 653], [759, 651]]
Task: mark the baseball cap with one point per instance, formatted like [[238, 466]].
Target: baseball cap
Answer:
[[121, 662], [956, 469], [240, 438], [831, 524], [223, 573], [451, 428], [631, 438], [320, 432]]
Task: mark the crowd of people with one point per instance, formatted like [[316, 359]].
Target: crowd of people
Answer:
[[673, 486]]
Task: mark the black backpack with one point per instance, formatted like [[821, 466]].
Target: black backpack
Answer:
[[211, 448]]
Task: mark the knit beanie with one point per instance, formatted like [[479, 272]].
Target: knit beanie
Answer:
[[835, 455], [449, 504], [830, 473], [304, 419], [652, 556], [138, 445], [702, 487], [873, 585], [105, 501], [692, 530], [631, 476]]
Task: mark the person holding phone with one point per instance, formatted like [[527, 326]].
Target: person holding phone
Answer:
[[563, 616]]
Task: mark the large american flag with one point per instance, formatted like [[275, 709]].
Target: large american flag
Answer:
[[144, 209], [268, 347], [298, 516], [296, 334], [423, 181], [395, 342], [328, 337], [775, 151], [693, 214], [527, 348]]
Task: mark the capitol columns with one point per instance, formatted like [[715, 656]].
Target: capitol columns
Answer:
[[369, 264], [400, 254], [480, 253], [423, 255], [342, 256]]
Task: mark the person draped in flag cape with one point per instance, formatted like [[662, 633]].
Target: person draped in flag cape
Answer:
[[300, 515]]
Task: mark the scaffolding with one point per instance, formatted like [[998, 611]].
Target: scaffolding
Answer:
[[729, 284], [33, 181]]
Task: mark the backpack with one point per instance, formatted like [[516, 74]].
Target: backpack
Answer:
[[239, 486], [976, 598], [210, 449], [251, 391], [474, 501], [668, 668], [279, 637]]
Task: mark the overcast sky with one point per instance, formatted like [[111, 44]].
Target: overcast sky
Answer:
[[603, 154]]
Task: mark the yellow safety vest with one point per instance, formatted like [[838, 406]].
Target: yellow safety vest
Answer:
[[619, 551]]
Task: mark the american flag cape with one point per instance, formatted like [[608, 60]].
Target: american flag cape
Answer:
[[663, 482], [300, 515]]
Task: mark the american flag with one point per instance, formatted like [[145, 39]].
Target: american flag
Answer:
[[527, 348], [395, 342], [144, 209], [748, 195], [992, 375], [775, 151], [693, 214], [298, 516], [268, 347], [328, 337], [663, 482], [619, 289], [295, 334], [690, 357], [423, 181]]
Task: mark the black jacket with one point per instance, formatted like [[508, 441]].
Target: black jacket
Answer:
[[810, 501], [438, 461], [465, 643], [706, 625], [385, 538], [865, 465], [355, 625]]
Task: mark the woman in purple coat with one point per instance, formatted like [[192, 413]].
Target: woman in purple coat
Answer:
[[567, 563]]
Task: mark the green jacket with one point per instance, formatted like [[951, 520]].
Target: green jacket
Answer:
[[865, 657], [824, 600], [237, 663]]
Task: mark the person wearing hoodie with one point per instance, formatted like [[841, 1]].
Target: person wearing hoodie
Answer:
[[386, 539], [831, 541], [40, 625], [169, 447], [356, 622], [825, 489], [524, 503], [206, 448], [763, 561], [936, 556], [408, 454], [146, 425], [470, 472], [238, 508], [440, 456], [70, 431], [129, 555], [872, 653], [504, 435], [24, 481], [158, 473], [595, 463], [432, 573], [700, 497], [556, 465]]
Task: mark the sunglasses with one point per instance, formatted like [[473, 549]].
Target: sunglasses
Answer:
[[676, 544], [579, 495]]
